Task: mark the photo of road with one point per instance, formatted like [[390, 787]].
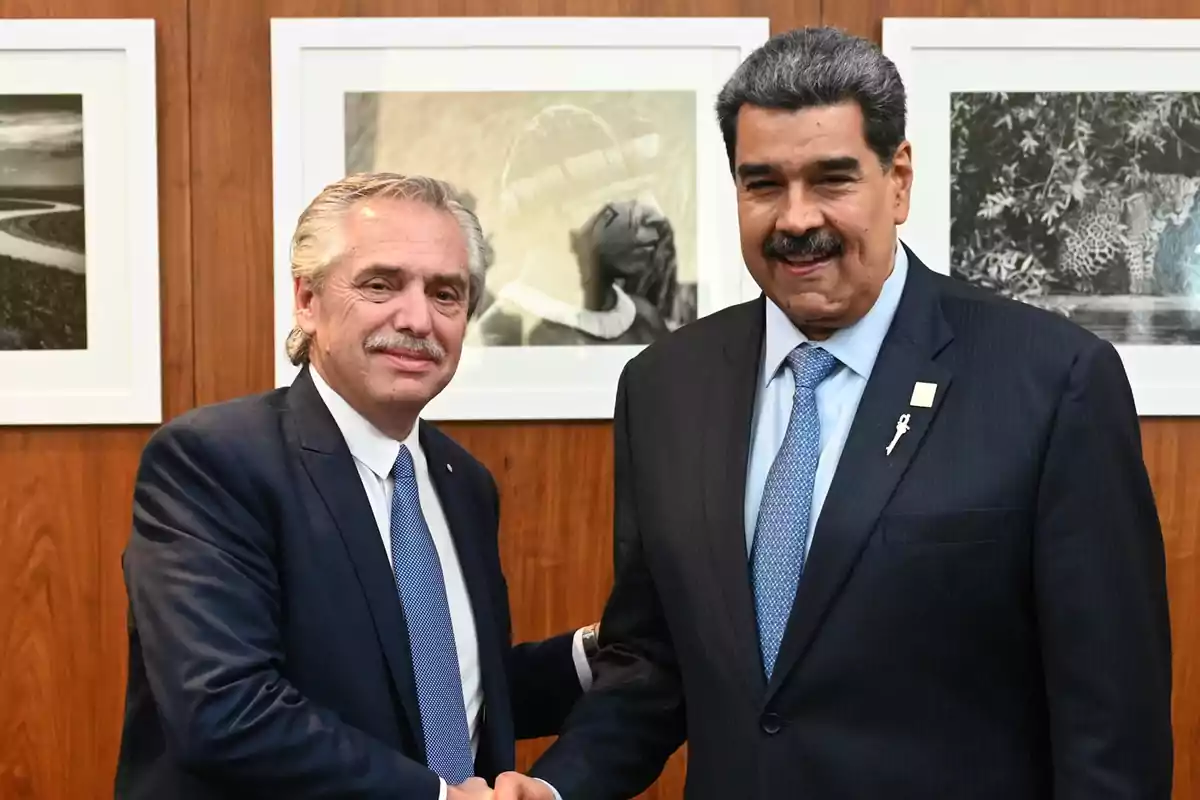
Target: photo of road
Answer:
[[43, 298]]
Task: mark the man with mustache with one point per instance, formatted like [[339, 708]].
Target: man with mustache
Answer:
[[316, 602], [878, 534]]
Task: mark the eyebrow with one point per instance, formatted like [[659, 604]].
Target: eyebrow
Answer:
[[839, 164], [445, 278], [754, 170], [836, 164]]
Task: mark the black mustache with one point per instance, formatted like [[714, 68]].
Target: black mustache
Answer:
[[819, 243]]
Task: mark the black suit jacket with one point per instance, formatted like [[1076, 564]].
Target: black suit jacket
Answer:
[[983, 614], [268, 654]]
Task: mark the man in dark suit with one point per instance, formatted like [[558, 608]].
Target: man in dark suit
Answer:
[[317, 607], [878, 534]]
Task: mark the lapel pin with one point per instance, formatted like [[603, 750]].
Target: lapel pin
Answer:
[[449, 468], [922, 396], [901, 429]]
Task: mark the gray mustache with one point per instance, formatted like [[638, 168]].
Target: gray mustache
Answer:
[[403, 341]]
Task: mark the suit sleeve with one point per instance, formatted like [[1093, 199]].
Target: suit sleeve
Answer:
[[621, 733], [205, 598], [1101, 595], [544, 685]]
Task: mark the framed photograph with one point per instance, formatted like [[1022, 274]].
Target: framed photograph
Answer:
[[590, 150], [1058, 162], [79, 304]]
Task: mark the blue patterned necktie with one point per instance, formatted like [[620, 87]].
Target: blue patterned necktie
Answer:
[[422, 590], [781, 531]]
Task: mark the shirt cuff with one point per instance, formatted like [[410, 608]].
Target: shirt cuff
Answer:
[[442, 791], [557, 796], [582, 668]]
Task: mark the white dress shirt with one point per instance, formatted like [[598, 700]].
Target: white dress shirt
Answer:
[[374, 455]]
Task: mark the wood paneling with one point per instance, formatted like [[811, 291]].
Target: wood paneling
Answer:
[[555, 479], [65, 501], [1172, 446], [1172, 451]]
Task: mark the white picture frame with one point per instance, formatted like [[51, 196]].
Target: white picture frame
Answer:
[[79, 334], [316, 62], [1043, 61]]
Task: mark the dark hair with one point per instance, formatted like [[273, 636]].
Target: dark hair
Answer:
[[810, 67]]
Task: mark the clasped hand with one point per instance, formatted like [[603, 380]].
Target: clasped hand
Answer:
[[509, 786]]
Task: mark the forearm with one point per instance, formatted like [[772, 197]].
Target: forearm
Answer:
[[619, 736]]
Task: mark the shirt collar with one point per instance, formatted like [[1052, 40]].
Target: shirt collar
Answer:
[[855, 346], [367, 444]]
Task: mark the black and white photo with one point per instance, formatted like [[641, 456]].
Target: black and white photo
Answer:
[[80, 333], [588, 148], [43, 298], [1084, 203], [588, 198], [1060, 166]]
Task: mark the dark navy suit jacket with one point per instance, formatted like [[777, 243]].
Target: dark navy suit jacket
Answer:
[[268, 655], [983, 613]]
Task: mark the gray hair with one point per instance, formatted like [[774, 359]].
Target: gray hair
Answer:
[[318, 242], [810, 67]]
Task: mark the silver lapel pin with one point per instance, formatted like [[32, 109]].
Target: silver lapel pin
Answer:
[[901, 429]]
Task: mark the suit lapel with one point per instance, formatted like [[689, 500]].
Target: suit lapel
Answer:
[[466, 529], [729, 407], [867, 475], [328, 462]]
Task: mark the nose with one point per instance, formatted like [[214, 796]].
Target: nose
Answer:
[[412, 313], [800, 211]]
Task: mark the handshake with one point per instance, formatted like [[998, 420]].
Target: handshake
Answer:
[[509, 786]]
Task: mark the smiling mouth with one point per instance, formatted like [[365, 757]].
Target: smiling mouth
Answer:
[[408, 360], [806, 263]]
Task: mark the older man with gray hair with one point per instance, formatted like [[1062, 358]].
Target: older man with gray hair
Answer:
[[316, 601], [878, 533]]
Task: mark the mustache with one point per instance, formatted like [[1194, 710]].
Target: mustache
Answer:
[[398, 340], [819, 243]]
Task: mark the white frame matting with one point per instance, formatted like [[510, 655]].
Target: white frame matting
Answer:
[[316, 61], [937, 57], [117, 378]]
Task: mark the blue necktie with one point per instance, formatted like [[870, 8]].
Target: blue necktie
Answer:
[[422, 590], [781, 531]]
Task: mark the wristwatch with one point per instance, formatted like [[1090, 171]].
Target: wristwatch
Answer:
[[590, 641]]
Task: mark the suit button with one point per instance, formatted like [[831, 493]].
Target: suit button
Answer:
[[771, 723]]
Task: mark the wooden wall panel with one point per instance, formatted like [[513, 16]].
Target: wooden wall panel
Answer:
[[555, 479], [65, 498], [1172, 446], [1172, 450]]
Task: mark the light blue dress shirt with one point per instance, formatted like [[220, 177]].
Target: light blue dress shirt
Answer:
[[837, 397]]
